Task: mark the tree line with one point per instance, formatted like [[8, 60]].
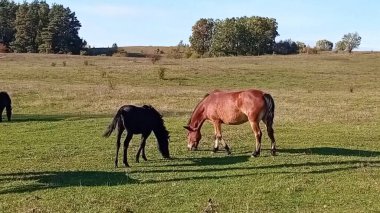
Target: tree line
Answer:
[[254, 36], [234, 36], [37, 27]]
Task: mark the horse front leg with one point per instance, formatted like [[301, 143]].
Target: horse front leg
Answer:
[[257, 131], [1, 113], [141, 149], [219, 138], [217, 134], [126, 144]]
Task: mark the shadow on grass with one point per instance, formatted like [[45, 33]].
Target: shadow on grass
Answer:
[[49, 180], [215, 161], [19, 118], [191, 172], [332, 151]]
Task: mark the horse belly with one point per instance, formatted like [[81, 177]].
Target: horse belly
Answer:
[[235, 119]]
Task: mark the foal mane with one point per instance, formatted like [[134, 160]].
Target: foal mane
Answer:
[[161, 123]]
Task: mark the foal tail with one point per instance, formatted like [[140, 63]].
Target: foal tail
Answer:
[[113, 124], [270, 109]]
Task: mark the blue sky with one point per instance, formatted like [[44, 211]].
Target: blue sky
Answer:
[[165, 23]]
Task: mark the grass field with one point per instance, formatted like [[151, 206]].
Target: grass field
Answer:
[[53, 158]]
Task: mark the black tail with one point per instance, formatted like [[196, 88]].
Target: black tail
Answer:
[[113, 124], [270, 109]]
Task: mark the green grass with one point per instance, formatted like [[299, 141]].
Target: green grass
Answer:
[[53, 158]]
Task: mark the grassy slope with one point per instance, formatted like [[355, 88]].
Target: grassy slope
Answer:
[[54, 159]]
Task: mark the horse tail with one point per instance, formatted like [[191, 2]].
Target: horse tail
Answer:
[[270, 109], [113, 124]]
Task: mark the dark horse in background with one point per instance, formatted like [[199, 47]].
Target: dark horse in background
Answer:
[[233, 108], [139, 120], [5, 102]]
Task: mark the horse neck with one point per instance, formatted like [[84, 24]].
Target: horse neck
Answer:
[[198, 117], [161, 132]]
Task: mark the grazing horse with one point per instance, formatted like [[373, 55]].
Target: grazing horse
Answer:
[[5, 102], [139, 120], [232, 108]]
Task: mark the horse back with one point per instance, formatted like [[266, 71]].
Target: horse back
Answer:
[[235, 107]]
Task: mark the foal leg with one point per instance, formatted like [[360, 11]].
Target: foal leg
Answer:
[[126, 144], [141, 148], [256, 129], [1, 113], [119, 133]]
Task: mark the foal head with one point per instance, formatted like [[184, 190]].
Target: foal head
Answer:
[[159, 129], [193, 137]]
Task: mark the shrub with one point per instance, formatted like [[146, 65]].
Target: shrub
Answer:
[[161, 73], [120, 53], [311, 50], [154, 58], [53, 64], [3, 48]]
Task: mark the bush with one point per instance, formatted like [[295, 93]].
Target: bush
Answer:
[[285, 47], [174, 53], [3, 48], [154, 58], [161, 73], [311, 50], [120, 53]]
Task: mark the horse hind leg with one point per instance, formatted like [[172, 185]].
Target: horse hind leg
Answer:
[[119, 133], [257, 131], [271, 136], [126, 144]]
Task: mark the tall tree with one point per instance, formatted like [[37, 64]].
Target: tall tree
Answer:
[[351, 41], [22, 35], [244, 36], [7, 21], [324, 45], [43, 14], [61, 33], [202, 32]]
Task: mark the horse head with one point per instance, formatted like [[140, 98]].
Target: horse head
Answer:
[[193, 137]]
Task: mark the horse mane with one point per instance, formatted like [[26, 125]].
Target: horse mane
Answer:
[[161, 129], [204, 97]]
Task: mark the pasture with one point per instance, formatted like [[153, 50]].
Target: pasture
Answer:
[[54, 158]]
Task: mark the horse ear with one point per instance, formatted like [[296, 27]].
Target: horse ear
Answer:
[[189, 128]]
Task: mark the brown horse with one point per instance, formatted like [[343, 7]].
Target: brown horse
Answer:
[[232, 108]]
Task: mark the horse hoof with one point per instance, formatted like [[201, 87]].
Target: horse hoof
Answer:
[[273, 153], [215, 150], [255, 154]]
